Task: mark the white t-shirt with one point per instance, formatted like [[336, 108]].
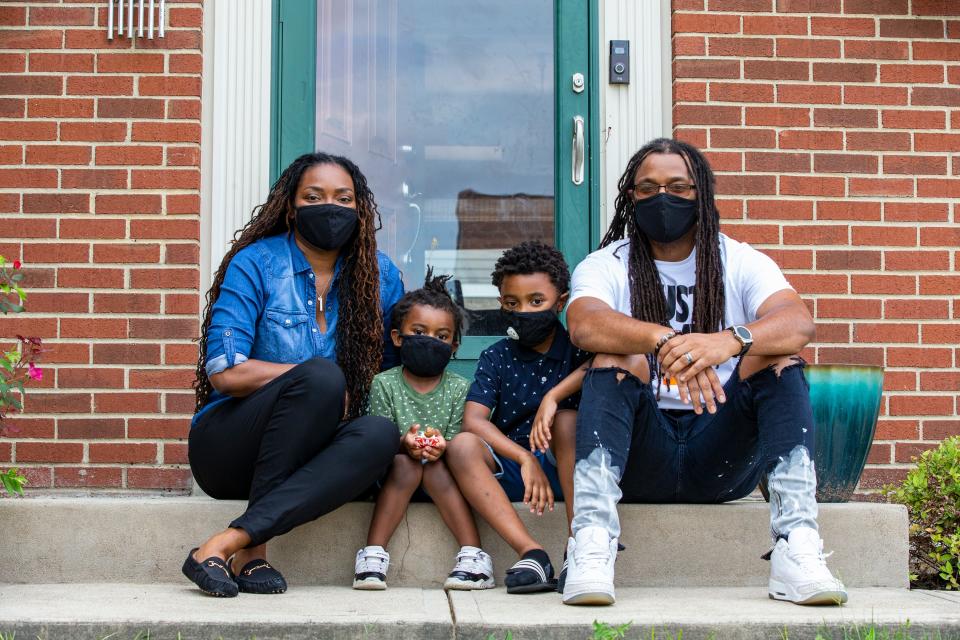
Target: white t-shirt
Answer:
[[750, 277]]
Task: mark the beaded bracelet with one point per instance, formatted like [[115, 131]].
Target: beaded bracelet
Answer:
[[662, 341]]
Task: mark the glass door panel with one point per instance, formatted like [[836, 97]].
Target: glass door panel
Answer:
[[449, 110], [474, 121]]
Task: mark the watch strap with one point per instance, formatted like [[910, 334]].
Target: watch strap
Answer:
[[744, 345]]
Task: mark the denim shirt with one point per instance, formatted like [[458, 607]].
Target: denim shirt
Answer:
[[266, 309]]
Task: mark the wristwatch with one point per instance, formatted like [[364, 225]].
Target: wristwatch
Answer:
[[744, 337]]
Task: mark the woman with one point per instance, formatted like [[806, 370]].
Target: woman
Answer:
[[293, 333]]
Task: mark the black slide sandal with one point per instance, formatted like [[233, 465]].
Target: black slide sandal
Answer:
[[533, 577], [259, 576], [212, 576]]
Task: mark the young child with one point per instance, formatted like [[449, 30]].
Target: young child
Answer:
[[426, 402], [519, 421]]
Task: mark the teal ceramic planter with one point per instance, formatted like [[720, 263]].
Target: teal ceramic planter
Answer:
[[846, 404]]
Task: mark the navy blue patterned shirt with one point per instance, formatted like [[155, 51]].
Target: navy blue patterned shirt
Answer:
[[512, 380]]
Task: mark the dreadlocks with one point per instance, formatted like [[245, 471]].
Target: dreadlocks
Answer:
[[433, 294], [647, 299], [360, 324]]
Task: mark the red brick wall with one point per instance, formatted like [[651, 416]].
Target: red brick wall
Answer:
[[99, 197], [832, 127], [832, 130]]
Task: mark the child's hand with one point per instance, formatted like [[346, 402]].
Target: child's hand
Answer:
[[410, 444], [542, 431], [433, 452], [428, 437], [536, 488]]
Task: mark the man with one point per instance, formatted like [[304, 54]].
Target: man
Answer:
[[674, 409]]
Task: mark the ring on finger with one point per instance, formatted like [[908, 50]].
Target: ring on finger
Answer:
[[688, 357]]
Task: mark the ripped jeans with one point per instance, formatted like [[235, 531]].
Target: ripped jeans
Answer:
[[630, 450]]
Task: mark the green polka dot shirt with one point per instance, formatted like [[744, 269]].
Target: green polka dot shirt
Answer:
[[442, 408]]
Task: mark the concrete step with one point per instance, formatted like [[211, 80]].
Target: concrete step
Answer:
[[178, 611], [145, 540]]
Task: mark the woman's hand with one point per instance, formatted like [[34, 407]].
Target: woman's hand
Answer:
[[410, 444], [433, 453], [536, 488], [542, 431]]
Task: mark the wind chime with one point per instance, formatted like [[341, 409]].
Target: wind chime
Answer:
[[128, 18]]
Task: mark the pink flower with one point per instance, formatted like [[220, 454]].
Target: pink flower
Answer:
[[16, 264], [34, 371]]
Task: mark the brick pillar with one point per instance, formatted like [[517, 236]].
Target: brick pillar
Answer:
[[99, 197]]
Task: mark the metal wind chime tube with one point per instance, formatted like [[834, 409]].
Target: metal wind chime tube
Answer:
[[144, 19]]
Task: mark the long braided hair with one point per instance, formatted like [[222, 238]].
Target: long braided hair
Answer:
[[647, 298], [360, 322]]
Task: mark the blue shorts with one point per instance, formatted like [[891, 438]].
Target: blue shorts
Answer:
[[508, 474]]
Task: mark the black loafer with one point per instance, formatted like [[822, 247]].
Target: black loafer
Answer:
[[212, 576], [259, 576]]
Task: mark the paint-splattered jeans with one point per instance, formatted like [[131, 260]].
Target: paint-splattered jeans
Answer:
[[629, 450]]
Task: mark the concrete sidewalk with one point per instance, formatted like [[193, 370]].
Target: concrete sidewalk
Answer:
[[95, 611]]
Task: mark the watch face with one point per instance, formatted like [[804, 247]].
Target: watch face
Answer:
[[744, 334]]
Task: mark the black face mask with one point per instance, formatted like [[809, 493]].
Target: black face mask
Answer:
[[326, 226], [424, 356], [665, 218], [530, 328]]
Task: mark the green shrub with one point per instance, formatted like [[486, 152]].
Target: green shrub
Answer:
[[931, 493]]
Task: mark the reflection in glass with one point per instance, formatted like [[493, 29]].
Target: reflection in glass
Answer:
[[448, 108]]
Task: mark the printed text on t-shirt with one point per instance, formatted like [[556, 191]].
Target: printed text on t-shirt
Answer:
[[680, 300]]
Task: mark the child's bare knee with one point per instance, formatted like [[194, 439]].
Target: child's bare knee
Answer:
[[463, 445], [565, 428], [406, 471], [436, 477]]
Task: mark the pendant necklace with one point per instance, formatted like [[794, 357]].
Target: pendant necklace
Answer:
[[322, 294]]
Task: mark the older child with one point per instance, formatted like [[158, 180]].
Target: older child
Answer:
[[426, 402], [498, 459]]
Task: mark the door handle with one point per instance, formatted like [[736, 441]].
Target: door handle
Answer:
[[578, 150]]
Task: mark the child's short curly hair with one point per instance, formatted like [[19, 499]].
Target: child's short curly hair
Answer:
[[533, 257], [433, 294]]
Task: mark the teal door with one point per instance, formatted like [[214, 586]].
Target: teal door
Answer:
[[473, 120]]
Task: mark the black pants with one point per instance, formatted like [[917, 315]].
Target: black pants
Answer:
[[285, 449]]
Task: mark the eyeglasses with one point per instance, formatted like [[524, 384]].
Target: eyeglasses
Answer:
[[648, 189]]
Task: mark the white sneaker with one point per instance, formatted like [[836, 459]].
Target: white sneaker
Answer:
[[590, 558], [370, 569], [473, 570], [798, 571]]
